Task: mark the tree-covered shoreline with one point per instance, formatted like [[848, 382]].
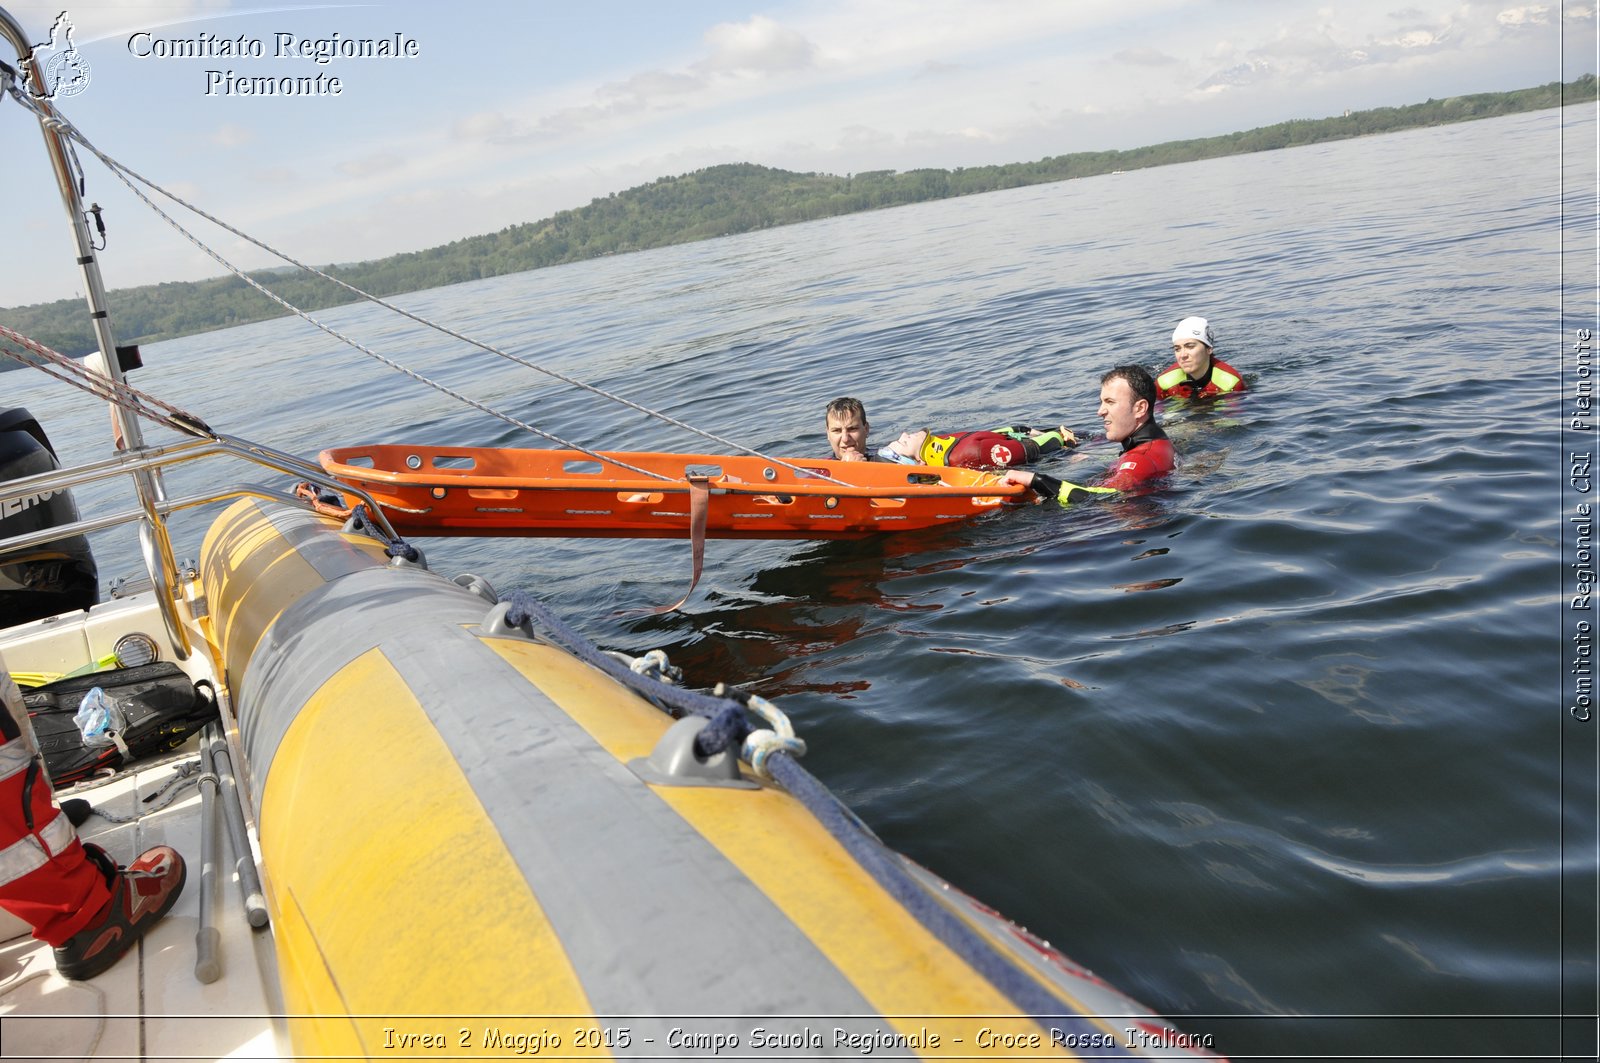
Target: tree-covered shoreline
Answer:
[[716, 201]]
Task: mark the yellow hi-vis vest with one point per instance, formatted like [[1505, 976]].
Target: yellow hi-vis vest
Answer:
[[1220, 377]]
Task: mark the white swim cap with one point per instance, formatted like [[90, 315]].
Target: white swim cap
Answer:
[[1194, 328]]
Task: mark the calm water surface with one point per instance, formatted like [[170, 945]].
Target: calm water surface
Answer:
[[1275, 750]]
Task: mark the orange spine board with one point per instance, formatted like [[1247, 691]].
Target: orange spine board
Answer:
[[626, 494]]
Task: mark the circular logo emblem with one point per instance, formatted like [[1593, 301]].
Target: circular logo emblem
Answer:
[[67, 73]]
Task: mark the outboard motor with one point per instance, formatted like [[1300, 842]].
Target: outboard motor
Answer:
[[54, 577]]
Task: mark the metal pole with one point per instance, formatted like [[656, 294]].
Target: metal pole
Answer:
[[125, 425], [208, 939], [255, 902]]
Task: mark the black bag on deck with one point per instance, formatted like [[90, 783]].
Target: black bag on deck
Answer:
[[162, 705]]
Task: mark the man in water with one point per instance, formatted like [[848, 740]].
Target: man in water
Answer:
[[846, 420], [1196, 371], [1127, 408]]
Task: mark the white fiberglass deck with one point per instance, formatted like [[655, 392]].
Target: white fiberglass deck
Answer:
[[150, 1006]]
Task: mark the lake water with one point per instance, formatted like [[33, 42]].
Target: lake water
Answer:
[[1279, 749]]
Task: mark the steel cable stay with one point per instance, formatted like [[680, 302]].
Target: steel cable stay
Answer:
[[125, 395], [67, 130], [131, 178]]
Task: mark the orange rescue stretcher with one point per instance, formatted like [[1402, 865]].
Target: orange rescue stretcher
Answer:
[[483, 491]]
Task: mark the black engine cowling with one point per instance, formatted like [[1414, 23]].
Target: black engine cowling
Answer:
[[55, 577]]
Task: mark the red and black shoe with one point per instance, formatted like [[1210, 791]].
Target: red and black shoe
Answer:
[[141, 894]]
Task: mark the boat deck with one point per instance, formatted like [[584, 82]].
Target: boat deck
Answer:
[[150, 1006]]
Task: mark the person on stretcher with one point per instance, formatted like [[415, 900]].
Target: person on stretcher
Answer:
[[998, 448]]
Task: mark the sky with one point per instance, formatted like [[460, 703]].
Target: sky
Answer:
[[505, 112]]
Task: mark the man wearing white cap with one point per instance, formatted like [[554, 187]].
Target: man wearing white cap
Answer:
[[1196, 371]]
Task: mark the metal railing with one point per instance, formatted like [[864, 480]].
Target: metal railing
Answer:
[[152, 512]]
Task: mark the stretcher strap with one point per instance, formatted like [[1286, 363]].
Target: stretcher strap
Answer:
[[699, 505]]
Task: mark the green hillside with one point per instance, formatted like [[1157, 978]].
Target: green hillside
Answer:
[[716, 201]]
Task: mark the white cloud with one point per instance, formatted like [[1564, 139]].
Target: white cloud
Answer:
[[229, 135], [486, 126], [1412, 39], [1245, 73], [760, 46], [1324, 45], [825, 50], [1533, 15], [652, 88], [740, 56]]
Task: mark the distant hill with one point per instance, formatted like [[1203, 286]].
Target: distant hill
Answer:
[[715, 201]]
